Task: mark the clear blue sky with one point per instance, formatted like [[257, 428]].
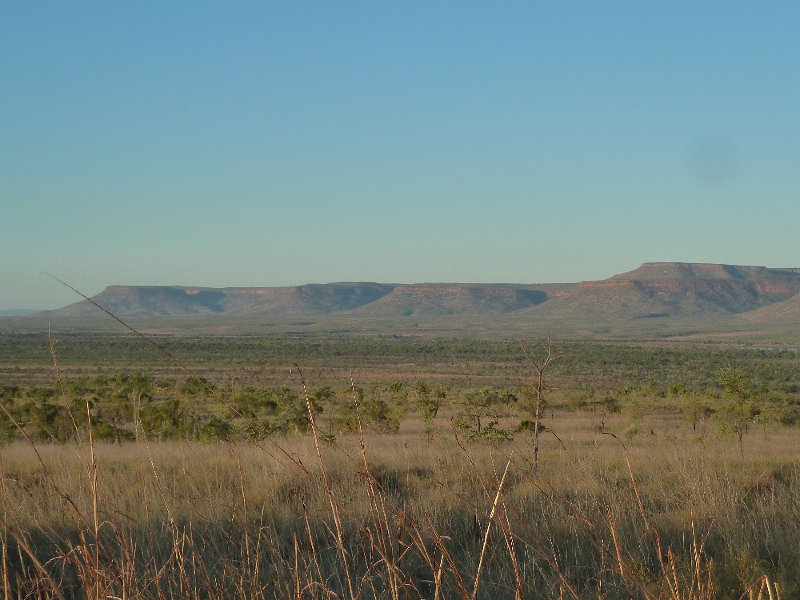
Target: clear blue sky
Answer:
[[275, 143]]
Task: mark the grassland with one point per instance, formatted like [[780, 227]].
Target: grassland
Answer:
[[692, 518], [642, 488]]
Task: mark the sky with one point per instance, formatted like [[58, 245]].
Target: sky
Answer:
[[280, 143]]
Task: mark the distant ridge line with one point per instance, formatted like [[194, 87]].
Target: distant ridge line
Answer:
[[653, 290]]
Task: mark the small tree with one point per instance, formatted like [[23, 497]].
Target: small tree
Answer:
[[541, 358], [379, 416], [481, 409], [428, 405], [345, 417], [293, 412], [739, 407], [696, 409]]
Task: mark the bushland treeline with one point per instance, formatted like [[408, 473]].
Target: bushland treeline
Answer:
[[602, 363], [137, 405]]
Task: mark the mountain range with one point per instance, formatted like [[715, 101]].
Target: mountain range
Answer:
[[656, 290]]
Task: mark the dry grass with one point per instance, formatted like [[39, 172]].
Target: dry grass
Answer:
[[675, 515]]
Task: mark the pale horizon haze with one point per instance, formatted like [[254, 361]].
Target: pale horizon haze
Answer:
[[281, 143]]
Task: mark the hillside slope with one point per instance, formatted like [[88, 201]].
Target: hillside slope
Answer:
[[784, 311]]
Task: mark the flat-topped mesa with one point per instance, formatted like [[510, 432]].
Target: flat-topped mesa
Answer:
[[308, 299], [124, 300], [454, 298], [130, 300], [694, 288], [654, 288], [248, 291], [680, 270]]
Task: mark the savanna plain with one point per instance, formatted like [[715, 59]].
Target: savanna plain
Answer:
[[347, 465]]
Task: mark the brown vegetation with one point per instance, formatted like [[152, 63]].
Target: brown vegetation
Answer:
[[673, 515]]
